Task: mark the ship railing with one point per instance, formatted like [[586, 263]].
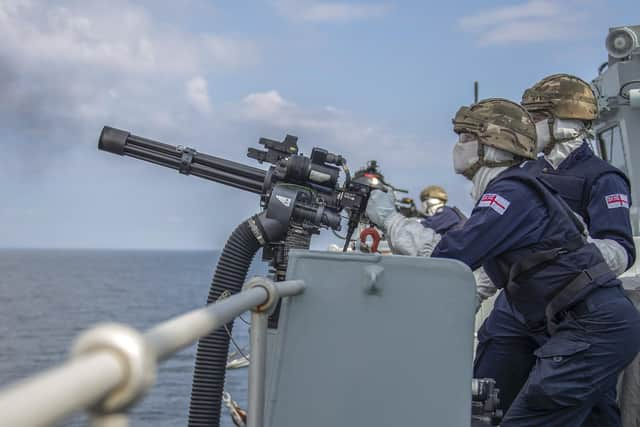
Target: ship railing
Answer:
[[111, 366]]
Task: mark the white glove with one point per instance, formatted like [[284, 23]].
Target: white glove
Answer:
[[381, 205], [485, 288], [613, 253], [409, 237]]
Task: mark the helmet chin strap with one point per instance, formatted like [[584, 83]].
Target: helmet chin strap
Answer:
[[471, 171]]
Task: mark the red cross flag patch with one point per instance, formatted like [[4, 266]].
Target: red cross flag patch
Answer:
[[617, 201], [495, 202]]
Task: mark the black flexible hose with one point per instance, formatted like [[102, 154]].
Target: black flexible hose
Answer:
[[211, 357]]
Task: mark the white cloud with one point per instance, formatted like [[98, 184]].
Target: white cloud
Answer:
[[198, 95], [405, 159], [116, 36], [77, 64], [533, 21], [69, 67], [270, 107], [324, 11], [529, 10], [334, 129], [264, 105]]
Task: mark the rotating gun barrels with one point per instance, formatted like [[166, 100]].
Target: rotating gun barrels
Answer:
[[185, 160]]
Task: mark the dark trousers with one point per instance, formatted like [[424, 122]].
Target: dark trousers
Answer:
[[565, 380]]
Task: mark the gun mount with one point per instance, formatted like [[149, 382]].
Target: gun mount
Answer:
[[296, 191]]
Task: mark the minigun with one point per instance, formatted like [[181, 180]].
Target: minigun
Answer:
[[298, 195], [296, 191]]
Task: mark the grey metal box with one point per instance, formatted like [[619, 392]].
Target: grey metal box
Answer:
[[357, 351]]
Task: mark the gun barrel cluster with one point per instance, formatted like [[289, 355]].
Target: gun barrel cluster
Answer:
[[183, 159]]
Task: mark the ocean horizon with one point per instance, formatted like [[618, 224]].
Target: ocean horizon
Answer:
[[50, 295]]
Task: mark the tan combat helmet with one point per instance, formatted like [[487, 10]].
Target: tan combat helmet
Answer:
[[433, 192], [501, 124], [564, 96]]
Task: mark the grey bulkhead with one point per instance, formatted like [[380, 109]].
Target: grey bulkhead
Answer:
[[617, 129], [373, 341], [617, 133]]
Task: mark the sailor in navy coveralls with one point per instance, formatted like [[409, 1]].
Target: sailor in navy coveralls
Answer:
[[439, 216], [533, 247], [563, 106]]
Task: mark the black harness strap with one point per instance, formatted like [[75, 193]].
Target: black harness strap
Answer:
[[563, 298], [541, 257]]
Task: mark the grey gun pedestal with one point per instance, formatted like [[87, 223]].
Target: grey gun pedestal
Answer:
[[373, 341]]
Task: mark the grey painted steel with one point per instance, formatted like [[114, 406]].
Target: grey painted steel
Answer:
[[50, 397], [615, 110], [373, 341], [290, 288], [132, 349], [257, 369], [178, 333], [259, 322]]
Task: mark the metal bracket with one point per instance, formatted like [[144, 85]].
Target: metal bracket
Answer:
[[371, 282], [130, 346], [269, 287], [186, 159]]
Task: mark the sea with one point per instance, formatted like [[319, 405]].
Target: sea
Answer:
[[48, 297]]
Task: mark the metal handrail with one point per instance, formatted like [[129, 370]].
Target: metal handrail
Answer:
[[112, 365]]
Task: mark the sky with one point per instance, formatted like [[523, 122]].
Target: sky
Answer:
[[378, 79]]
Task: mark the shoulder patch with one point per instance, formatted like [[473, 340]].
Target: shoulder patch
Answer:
[[495, 202], [617, 201]]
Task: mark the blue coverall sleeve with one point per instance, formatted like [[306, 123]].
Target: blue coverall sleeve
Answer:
[[443, 221], [492, 229], [609, 218]]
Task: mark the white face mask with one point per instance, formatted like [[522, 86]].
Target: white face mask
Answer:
[[465, 154], [431, 206], [568, 129], [563, 130]]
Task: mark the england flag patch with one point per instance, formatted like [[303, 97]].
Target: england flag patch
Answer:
[[617, 201], [495, 202]]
